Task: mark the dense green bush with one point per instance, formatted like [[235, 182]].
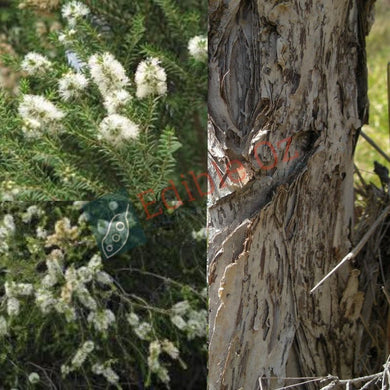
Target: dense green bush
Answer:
[[104, 100]]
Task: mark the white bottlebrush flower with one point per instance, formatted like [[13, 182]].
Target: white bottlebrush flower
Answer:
[[181, 308], [197, 324], [45, 300], [13, 289], [104, 278], [31, 212], [85, 298], [199, 235], [82, 354], [85, 274], [3, 326], [101, 320], [178, 322], [64, 308], [107, 73], [71, 84], [74, 11], [40, 112], [13, 306], [170, 349], [163, 375], [35, 64], [9, 223], [24, 289], [49, 281], [95, 263], [154, 354], [34, 378], [41, 232], [113, 101], [65, 370], [116, 129], [197, 46], [66, 37], [105, 370], [143, 330], [150, 78], [133, 319]]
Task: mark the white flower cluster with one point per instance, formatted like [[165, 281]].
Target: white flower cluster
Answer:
[[9, 191], [199, 235], [107, 73], [142, 329], [156, 347], [150, 78], [63, 231], [38, 115], [72, 284], [67, 36], [34, 378], [13, 291], [83, 353], [7, 230], [35, 64], [193, 322], [117, 129], [3, 326], [105, 370], [31, 212], [101, 320], [116, 100], [74, 11], [197, 46], [71, 85]]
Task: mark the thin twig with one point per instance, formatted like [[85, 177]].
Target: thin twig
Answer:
[[299, 384], [357, 249], [360, 176], [375, 146]]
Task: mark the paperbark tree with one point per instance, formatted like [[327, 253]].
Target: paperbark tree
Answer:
[[287, 98]]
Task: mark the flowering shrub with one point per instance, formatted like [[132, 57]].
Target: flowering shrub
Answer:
[[95, 98], [68, 318], [108, 97]]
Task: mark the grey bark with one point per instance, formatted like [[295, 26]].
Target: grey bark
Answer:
[[281, 69]]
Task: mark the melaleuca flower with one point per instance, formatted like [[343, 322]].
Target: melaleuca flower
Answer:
[[115, 100], [3, 327], [74, 11], [107, 73], [35, 64], [150, 78], [101, 320], [105, 370], [117, 128], [82, 354], [71, 84], [197, 46], [67, 37], [37, 113], [154, 363], [9, 223], [143, 330], [170, 349], [34, 378], [13, 306], [133, 319], [45, 300]]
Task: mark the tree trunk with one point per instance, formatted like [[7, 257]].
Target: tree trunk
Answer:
[[287, 98]]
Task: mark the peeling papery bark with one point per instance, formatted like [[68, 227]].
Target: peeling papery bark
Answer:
[[278, 70]]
